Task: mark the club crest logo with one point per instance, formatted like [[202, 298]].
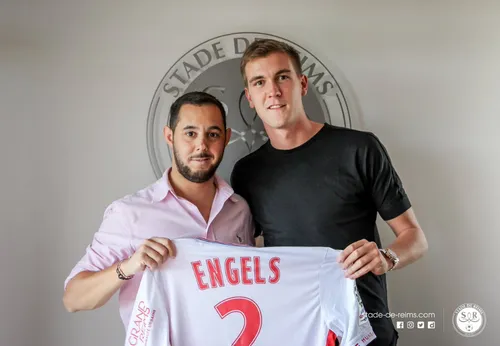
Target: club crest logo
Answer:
[[213, 67], [469, 320]]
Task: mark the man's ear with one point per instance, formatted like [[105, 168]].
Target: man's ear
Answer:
[[169, 136], [304, 84], [249, 98], [228, 136]]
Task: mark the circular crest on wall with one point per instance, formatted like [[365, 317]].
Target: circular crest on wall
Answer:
[[213, 66]]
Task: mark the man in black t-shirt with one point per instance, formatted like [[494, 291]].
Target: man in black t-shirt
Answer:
[[316, 184]]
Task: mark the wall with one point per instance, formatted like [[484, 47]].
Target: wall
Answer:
[[77, 80]]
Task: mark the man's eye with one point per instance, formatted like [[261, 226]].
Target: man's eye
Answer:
[[283, 77], [213, 135], [190, 134], [259, 83]]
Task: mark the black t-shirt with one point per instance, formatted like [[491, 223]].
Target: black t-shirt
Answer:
[[326, 192]]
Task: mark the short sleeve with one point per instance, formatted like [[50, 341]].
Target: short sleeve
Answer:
[[382, 180], [110, 244], [149, 322], [342, 308]]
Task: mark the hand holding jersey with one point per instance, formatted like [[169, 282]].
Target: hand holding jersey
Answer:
[[151, 254], [362, 257]]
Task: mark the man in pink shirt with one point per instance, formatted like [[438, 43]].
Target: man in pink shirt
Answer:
[[189, 200]]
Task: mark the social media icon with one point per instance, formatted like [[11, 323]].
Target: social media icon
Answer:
[[400, 324], [420, 324], [410, 325], [431, 325]]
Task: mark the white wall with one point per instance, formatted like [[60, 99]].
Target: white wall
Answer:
[[76, 81]]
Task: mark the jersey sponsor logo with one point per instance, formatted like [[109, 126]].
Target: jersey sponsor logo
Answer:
[[217, 272], [142, 320], [213, 66]]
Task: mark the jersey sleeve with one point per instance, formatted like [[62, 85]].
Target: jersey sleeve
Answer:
[[149, 322], [382, 180], [342, 308]]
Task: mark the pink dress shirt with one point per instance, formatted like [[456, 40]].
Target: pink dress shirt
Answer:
[[157, 211]]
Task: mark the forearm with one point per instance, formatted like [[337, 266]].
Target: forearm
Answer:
[[410, 245], [91, 290]]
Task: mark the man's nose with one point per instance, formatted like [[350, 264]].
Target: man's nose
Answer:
[[201, 144], [274, 90]]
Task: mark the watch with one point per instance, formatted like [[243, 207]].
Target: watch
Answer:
[[391, 255]]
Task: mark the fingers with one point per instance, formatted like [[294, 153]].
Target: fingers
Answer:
[[168, 244], [350, 249], [150, 258], [356, 273], [360, 258], [369, 263], [155, 251], [158, 244]]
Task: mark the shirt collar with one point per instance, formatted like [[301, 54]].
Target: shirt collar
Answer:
[[162, 187], [225, 189]]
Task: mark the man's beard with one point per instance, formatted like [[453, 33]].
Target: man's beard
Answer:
[[199, 176]]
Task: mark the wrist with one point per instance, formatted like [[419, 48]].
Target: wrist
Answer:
[[123, 271], [125, 266], [390, 257], [389, 263]]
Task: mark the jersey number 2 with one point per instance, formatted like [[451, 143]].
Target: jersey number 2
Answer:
[[251, 314]]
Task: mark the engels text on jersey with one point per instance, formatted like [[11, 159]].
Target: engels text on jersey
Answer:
[[219, 272]]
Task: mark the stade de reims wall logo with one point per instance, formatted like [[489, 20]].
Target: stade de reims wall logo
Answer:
[[213, 67]]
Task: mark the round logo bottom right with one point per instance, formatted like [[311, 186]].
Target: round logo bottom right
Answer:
[[469, 320]]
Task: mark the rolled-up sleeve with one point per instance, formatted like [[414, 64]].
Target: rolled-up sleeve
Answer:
[[110, 244]]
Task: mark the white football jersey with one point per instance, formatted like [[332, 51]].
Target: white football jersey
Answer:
[[214, 294]]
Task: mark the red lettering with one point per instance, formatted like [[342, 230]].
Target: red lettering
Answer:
[[232, 274], [245, 269], [198, 274], [143, 308], [252, 316], [138, 333], [257, 277], [215, 272], [132, 340], [248, 272], [273, 265]]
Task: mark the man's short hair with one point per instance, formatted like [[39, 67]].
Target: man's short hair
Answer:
[[263, 47], [197, 98]]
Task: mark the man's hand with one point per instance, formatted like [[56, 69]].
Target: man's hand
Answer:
[[151, 254], [362, 257]]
